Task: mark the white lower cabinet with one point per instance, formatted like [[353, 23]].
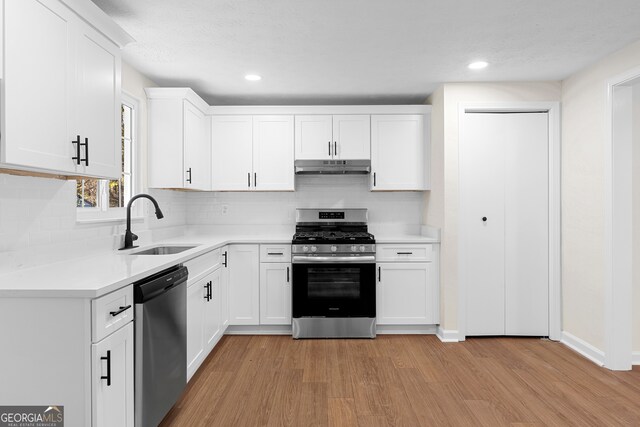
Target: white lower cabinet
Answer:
[[275, 293], [244, 284], [204, 318], [407, 293], [112, 379]]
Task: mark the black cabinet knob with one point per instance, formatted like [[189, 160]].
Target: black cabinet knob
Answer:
[[484, 219]]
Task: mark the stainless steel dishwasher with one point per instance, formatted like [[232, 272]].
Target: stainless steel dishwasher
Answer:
[[160, 344]]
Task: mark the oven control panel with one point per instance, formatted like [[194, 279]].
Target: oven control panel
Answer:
[[330, 215], [334, 249]]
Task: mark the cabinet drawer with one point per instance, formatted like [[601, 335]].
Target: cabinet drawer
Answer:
[[198, 266], [111, 312], [275, 253], [404, 253]]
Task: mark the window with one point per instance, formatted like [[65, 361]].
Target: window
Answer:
[[102, 198]]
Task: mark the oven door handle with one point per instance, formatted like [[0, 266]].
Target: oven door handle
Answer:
[[365, 259]]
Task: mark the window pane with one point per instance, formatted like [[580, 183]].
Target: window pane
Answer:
[[89, 197], [114, 194]]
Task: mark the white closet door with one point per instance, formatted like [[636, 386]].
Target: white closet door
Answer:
[[504, 259], [482, 159], [526, 225]]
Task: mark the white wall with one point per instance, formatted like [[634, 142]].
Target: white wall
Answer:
[[388, 211], [636, 218], [583, 135], [38, 215], [444, 213]]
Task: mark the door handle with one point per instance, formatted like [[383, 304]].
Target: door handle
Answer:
[[404, 253], [329, 148], [275, 253], [120, 310], [287, 274], [225, 258], [249, 179], [189, 172], [335, 148], [77, 144], [379, 274], [108, 376], [255, 179], [86, 152], [374, 179]]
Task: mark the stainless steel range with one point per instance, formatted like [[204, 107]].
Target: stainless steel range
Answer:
[[334, 273]]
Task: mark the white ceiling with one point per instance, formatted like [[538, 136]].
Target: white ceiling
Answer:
[[363, 51]]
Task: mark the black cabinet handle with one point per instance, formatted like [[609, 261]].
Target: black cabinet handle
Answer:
[[288, 275], [255, 179], [379, 274], [404, 253], [86, 152], [189, 172], [335, 148], [225, 258], [108, 376], [208, 296], [77, 144], [120, 310], [329, 148], [374, 179], [484, 219], [248, 179], [275, 253]]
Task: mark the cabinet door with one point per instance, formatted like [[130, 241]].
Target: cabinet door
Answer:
[[352, 137], [195, 324], [275, 293], [224, 292], [406, 294], [37, 79], [197, 149], [212, 311], [273, 153], [112, 398], [398, 155], [97, 105], [244, 285], [314, 137], [231, 142]]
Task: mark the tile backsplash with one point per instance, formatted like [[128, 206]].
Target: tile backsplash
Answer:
[[38, 222]]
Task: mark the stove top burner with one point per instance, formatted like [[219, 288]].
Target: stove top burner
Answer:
[[330, 236]]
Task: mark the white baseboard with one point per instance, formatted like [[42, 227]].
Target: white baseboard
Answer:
[[635, 358], [406, 329], [259, 330], [582, 347], [447, 335]]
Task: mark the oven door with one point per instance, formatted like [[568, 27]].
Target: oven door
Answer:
[[334, 290]]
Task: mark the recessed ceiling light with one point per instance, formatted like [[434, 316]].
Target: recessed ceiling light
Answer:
[[253, 77], [478, 65]]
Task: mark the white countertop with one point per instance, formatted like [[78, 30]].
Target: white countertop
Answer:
[[97, 275]]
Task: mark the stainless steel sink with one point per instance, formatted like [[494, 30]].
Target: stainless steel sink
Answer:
[[163, 250]]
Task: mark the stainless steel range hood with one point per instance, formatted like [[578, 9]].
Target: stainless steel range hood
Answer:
[[332, 167]]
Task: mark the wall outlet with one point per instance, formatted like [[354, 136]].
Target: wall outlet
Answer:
[[225, 209]]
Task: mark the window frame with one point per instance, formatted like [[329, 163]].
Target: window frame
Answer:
[[104, 213]]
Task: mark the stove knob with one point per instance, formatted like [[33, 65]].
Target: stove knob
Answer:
[[313, 249], [362, 248], [305, 249], [334, 248], [354, 248]]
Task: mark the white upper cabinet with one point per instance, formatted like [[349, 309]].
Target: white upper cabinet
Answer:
[[351, 137], [399, 152], [197, 148], [61, 71], [314, 137], [252, 153], [98, 104], [179, 153], [273, 153], [232, 142], [338, 137]]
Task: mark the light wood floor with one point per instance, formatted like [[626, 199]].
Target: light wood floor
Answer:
[[403, 381]]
